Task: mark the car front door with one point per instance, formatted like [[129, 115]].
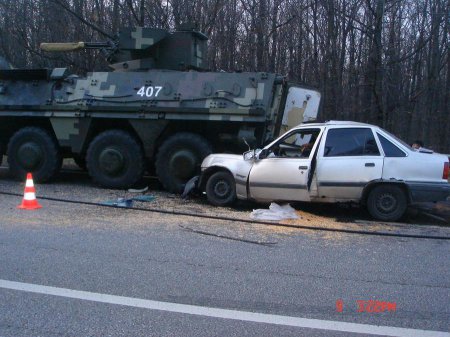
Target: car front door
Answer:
[[348, 159], [283, 172]]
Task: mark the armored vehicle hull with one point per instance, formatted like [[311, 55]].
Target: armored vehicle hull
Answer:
[[119, 124]]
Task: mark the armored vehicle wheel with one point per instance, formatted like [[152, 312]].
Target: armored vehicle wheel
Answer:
[[221, 189], [179, 159], [387, 203], [33, 149], [115, 159]]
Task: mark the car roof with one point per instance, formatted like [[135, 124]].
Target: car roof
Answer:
[[332, 122]]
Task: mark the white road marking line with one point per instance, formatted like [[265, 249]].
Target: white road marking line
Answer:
[[222, 313]]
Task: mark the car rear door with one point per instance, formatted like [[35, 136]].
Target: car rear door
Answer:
[[348, 159], [283, 174]]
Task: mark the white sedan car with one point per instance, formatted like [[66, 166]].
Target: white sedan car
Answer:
[[335, 161]]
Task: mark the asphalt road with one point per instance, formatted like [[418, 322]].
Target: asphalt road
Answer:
[[153, 257]]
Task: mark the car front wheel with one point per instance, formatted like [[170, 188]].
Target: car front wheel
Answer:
[[387, 203], [221, 189]]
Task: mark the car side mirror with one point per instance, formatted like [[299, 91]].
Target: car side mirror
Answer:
[[249, 155]]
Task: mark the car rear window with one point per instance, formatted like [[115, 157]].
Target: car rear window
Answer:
[[390, 150], [351, 142]]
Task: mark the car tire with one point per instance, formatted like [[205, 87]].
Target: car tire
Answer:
[[115, 159], [179, 159], [387, 202], [34, 150], [221, 189]]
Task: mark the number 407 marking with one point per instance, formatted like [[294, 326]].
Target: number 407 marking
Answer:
[[149, 91]]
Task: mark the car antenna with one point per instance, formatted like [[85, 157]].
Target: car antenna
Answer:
[[245, 141]]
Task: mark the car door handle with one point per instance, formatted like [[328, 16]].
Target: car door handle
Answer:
[[370, 165], [303, 167]]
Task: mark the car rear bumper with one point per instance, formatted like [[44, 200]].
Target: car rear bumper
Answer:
[[428, 192]]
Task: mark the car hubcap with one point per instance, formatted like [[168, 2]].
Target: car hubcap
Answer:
[[29, 155], [182, 164], [221, 189], [387, 203], [111, 161]]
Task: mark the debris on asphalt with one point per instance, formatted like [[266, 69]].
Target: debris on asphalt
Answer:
[[128, 202], [275, 212], [138, 190], [190, 186], [144, 198], [120, 202]]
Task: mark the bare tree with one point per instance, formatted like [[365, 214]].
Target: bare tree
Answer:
[[380, 61]]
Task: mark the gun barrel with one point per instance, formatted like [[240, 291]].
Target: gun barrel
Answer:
[[57, 47]]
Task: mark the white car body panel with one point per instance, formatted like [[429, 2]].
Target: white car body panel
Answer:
[[344, 180], [291, 182], [416, 167]]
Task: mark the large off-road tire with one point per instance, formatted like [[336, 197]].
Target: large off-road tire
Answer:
[[387, 202], [221, 189], [179, 159], [33, 149], [115, 159]]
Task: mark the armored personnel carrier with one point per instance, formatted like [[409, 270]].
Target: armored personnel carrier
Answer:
[[158, 109]]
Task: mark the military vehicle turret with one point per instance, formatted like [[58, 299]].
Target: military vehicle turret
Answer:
[[158, 109]]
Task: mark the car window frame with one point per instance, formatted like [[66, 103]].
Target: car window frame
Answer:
[[290, 133], [379, 134], [402, 145], [336, 127]]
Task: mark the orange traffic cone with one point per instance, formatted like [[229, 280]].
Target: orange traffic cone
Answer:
[[29, 200]]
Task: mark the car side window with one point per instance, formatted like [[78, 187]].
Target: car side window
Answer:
[[297, 144], [390, 150], [351, 142]]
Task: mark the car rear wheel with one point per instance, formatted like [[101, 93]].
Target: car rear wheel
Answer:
[[387, 202], [221, 189]]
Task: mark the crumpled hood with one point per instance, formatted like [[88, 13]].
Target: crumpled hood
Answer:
[[234, 163], [221, 158]]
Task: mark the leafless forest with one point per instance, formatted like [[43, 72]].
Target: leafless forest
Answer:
[[384, 62]]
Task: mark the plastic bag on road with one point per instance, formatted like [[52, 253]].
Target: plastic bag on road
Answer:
[[275, 212]]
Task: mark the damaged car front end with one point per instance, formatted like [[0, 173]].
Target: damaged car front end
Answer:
[[224, 177]]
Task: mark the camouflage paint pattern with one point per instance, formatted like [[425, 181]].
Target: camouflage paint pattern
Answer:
[[138, 96], [203, 93]]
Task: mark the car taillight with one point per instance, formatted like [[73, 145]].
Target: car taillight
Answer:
[[445, 173]]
